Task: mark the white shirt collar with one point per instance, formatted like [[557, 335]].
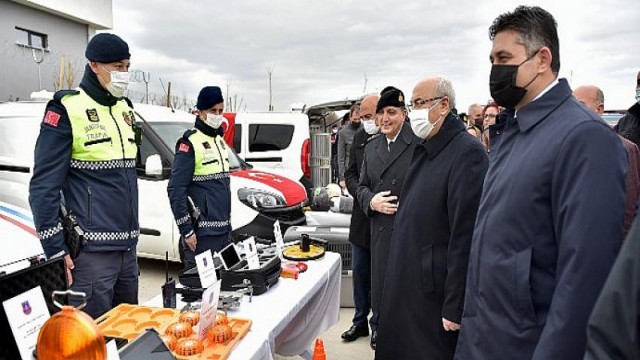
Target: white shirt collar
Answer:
[[546, 90]]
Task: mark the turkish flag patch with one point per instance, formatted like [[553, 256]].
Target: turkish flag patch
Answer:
[[183, 148], [51, 118]]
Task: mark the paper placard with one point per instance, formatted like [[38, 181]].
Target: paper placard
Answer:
[[277, 233], [209, 309], [206, 269], [251, 252], [26, 313]]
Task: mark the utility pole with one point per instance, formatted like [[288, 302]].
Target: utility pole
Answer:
[[364, 90], [270, 72], [38, 61]]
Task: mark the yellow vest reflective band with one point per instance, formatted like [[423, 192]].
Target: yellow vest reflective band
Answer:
[[211, 157], [103, 137]]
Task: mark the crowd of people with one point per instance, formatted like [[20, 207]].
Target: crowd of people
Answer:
[[491, 234], [490, 238]]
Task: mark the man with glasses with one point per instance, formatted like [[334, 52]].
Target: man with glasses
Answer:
[[427, 262], [384, 166], [359, 231], [552, 202]]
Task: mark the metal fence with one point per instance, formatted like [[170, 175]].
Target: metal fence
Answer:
[[320, 159]]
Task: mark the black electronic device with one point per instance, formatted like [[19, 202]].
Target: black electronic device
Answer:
[[147, 346], [230, 256], [169, 287]]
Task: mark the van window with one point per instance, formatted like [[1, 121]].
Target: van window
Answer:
[[269, 137], [237, 139]]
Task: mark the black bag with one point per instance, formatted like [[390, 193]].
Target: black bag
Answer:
[[233, 279], [50, 275], [261, 279]]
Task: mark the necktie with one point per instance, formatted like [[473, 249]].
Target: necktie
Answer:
[[390, 146]]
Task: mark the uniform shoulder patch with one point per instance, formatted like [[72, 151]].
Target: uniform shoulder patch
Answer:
[[183, 147], [51, 118]]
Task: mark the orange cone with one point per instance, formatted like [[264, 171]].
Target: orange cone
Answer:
[[318, 352]]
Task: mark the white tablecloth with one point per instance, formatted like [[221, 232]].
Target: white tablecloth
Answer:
[[288, 318]]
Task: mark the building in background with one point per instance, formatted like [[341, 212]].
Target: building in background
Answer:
[[51, 32]]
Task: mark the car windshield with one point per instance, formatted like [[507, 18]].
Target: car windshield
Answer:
[[171, 132]]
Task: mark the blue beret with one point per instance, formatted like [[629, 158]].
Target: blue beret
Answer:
[[107, 48], [208, 97]]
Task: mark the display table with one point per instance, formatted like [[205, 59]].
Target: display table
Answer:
[[291, 315]]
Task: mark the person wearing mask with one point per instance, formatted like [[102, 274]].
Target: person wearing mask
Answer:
[[553, 199], [427, 263], [345, 139], [200, 180], [86, 151], [384, 166], [475, 121], [359, 230]]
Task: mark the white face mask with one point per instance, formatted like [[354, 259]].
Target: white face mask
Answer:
[[420, 123], [214, 120], [370, 126], [638, 95], [119, 81]]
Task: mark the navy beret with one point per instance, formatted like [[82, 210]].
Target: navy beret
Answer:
[[208, 97], [107, 48], [390, 96]]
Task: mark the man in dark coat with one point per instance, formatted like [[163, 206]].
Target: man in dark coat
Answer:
[[385, 164], [552, 203], [629, 125], [613, 326], [427, 265], [359, 231]]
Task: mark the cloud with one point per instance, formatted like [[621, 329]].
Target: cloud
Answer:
[[321, 51]]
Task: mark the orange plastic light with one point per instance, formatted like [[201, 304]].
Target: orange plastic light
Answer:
[[170, 341], [189, 346], [71, 334], [221, 319], [190, 317], [179, 330], [220, 334]]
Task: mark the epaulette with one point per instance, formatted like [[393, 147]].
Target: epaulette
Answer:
[[57, 97], [128, 102], [188, 133]]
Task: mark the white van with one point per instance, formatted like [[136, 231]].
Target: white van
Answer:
[[275, 141], [259, 197]]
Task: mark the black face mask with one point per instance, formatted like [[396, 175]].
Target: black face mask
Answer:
[[502, 84], [478, 123]]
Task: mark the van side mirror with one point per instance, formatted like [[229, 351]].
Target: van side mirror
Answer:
[[153, 165]]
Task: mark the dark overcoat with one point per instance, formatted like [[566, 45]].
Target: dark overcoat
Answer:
[[427, 265], [547, 232], [383, 171], [359, 230]]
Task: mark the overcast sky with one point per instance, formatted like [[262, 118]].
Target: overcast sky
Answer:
[[321, 50]]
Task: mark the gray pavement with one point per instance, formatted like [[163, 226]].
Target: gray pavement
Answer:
[[152, 276]]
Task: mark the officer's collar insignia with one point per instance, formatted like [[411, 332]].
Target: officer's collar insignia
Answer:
[[92, 115], [127, 118], [206, 145]]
